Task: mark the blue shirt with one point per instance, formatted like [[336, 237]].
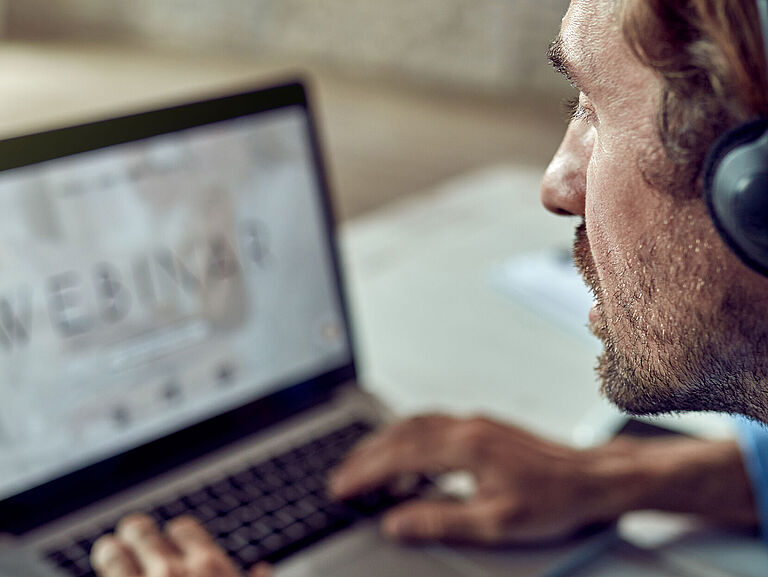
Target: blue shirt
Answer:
[[753, 439]]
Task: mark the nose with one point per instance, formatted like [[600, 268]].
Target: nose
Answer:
[[564, 185]]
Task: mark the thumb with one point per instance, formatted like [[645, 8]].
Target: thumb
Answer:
[[453, 521], [260, 570]]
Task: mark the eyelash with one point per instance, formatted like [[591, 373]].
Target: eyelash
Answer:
[[577, 112]]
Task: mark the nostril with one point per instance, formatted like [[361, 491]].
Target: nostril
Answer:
[[562, 196], [553, 203]]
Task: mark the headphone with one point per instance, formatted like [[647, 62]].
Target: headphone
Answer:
[[736, 182]]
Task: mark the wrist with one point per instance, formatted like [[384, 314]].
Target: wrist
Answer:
[[701, 477], [623, 477]]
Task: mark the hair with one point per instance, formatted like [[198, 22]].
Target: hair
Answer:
[[709, 57]]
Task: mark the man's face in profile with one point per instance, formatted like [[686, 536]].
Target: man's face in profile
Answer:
[[681, 319]]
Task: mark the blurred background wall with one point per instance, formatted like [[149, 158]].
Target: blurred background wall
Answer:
[[410, 93], [492, 46]]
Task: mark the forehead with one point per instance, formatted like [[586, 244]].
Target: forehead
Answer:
[[592, 42], [588, 30]]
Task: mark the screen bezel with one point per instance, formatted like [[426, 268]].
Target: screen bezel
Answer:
[[36, 506]]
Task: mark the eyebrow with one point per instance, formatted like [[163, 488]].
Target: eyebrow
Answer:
[[559, 60]]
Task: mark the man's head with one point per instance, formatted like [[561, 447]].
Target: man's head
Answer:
[[683, 321]]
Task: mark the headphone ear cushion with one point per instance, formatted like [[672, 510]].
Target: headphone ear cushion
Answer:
[[736, 191], [741, 134]]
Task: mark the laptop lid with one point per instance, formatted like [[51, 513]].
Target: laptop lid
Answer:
[[169, 283]]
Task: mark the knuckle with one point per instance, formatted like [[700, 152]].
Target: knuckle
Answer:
[[474, 435], [410, 427], [481, 421], [422, 422]]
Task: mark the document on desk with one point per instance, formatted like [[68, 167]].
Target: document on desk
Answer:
[[548, 283]]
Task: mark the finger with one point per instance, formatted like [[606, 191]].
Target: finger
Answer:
[[150, 546], [200, 552], [260, 570], [447, 521], [188, 535], [110, 557], [418, 445]]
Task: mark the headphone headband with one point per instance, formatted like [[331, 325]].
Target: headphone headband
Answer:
[[762, 10]]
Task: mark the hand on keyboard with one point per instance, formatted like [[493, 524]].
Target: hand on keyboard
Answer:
[[184, 549], [527, 488]]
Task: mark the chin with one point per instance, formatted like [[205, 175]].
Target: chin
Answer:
[[633, 400], [629, 392], [639, 391]]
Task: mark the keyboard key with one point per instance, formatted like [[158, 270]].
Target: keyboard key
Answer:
[[318, 520], [242, 497], [300, 510], [220, 488], [310, 484], [251, 492], [258, 531], [241, 478], [273, 481], [205, 513], [222, 526], [176, 508], [274, 542], [249, 555], [196, 499], [236, 541], [248, 513], [224, 504], [297, 531], [271, 502]]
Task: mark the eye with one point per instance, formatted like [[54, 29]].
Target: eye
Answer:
[[580, 111]]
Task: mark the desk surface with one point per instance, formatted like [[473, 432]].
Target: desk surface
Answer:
[[433, 334]]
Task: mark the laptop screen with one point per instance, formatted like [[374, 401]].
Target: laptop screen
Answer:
[[151, 285]]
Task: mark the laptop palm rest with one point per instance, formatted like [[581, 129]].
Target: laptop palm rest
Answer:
[[364, 552]]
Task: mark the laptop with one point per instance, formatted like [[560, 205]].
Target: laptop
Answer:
[[174, 339]]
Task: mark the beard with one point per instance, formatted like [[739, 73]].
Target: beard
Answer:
[[715, 359]]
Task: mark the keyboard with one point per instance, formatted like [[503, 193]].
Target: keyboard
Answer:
[[263, 512]]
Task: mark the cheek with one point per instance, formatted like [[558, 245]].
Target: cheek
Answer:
[[620, 209], [605, 216]]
